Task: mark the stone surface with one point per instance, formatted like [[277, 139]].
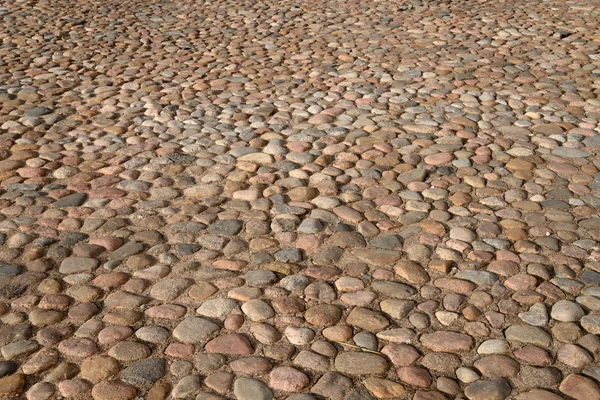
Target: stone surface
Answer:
[[360, 363], [250, 389], [579, 387], [115, 390], [338, 200], [493, 389]]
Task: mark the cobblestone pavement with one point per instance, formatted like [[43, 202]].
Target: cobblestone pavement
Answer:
[[267, 199]]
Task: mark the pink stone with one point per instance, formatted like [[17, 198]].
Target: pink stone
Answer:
[[439, 159], [401, 355], [231, 343], [288, 379], [110, 243], [415, 376], [299, 146], [113, 334], [78, 347], [166, 311], [179, 350], [74, 388]]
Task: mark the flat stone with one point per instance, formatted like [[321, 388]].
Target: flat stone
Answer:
[[579, 387], [288, 379], [377, 257], [99, 367], [323, 315], [72, 200], [537, 315], [18, 349], [144, 372], [443, 363], [447, 341], [226, 228], [528, 334], [332, 386], [12, 385], [186, 387], [129, 351], [113, 390], [217, 308], [384, 388], [497, 366], [231, 344], [567, 311], [75, 265], [360, 363], [7, 368], [395, 290], [543, 377], [538, 394], [367, 319], [41, 361], [251, 389], [493, 389], [194, 330], [568, 152]]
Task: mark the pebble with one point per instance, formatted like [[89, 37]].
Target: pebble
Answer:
[[251, 389], [493, 389], [360, 363], [567, 311], [287, 379], [144, 372], [99, 367], [579, 387], [113, 390], [12, 385], [186, 387], [231, 343]]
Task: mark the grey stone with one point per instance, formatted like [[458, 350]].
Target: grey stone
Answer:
[[332, 386], [567, 152], [194, 330], [9, 269], [7, 368], [226, 228], [72, 200], [144, 372], [389, 242], [187, 386], [251, 389], [75, 265], [493, 389], [127, 250], [528, 334]]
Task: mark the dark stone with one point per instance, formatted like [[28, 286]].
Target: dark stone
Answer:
[[9, 269], [187, 248], [289, 255], [226, 228], [72, 200], [72, 238], [7, 368], [144, 372], [590, 277]]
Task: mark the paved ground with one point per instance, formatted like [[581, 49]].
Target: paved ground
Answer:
[[325, 199]]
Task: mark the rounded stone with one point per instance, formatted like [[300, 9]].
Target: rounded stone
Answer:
[[113, 390], [100, 367], [288, 379], [566, 311], [323, 315]]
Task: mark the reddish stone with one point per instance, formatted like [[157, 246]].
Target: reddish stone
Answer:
[[231, 343]]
